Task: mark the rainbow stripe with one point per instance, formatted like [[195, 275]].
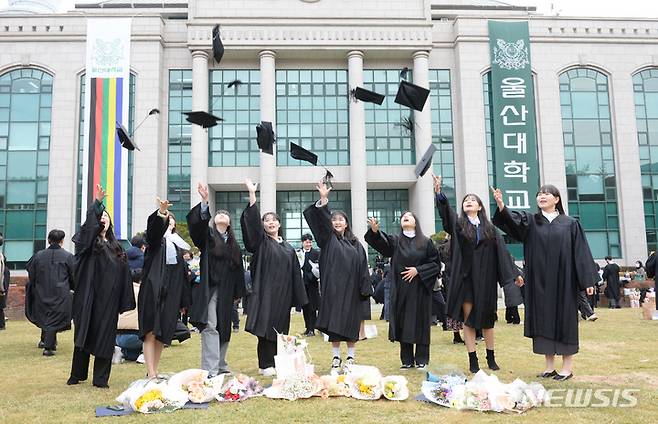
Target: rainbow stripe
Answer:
[[104, 153]]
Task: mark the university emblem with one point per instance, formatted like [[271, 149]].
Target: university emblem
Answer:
[[108, 53], [511, 55]]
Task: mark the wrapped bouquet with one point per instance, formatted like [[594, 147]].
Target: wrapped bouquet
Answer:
[[336, 385], [196, 384], [394, 387], [295, 387], [364, 382], [239, 388], [148, 396]]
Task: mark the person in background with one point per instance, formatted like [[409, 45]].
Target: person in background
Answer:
[[48, 300], [640, 274], [513, 298], [611, 277], [128, 344], [4, 285], [135, 254], [309, 259]]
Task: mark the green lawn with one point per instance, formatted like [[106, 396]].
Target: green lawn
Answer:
[[618, 351]]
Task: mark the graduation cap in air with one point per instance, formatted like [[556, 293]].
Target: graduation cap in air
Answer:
[[425, 161], [300, 153], [412, 96], [265, 137], [368, 96], [217, 46], [235, 83], [125, 138], [202, 118]]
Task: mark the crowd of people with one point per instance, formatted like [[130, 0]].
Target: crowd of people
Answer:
[[134, 303]]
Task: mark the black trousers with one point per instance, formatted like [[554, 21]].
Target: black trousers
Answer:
[[235, 317], [583, 305], [310, 317], [49, 339], [266, 350], [80, 367], [512, 315], [2, 318], [407, 356]]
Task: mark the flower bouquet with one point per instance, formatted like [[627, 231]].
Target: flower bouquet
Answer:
[[148, 396], [394, 387], [287, 344], [364, 382], [196, 385], [336, 385], [295, 387], [239, 388]]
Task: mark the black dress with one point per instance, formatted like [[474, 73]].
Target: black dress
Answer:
[[558, 264], [611, 276], [475, 268], [345, 281], [165, 287]]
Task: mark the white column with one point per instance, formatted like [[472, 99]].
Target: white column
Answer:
[[199, 148], [358, 164], [627, 170], [421, 196], [268, 113]]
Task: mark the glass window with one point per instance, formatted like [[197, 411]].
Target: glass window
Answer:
[[180, 140], [592, 191], [388, 206]]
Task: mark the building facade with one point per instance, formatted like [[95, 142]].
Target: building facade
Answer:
[[595, 83]]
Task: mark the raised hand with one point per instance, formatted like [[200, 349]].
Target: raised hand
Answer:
[[374, 225], [100, 193], [251, 186], [203, 191], [323, 190], [163, 205], [498, 197], [437, 183]]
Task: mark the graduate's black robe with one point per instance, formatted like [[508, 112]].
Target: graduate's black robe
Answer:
[[310, 281], [558, 264], [484, 264], [165, 288], [345, 281], [231, 278], [276, 279], [611, 276], [103, 288], [48, 299], [411, 302]]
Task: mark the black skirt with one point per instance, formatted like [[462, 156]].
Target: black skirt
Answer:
[[544, 346]]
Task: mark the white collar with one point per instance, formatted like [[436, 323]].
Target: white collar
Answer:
[[475, 221], [550, 216], [410, 234]]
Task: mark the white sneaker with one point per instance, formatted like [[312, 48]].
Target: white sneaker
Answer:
[[117, 357], [140, 359], [269, 372], [592, 317]]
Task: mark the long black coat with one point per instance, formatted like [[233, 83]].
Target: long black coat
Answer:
[[231, 285], [276, 279], [310, 281], [611, 276], [558, 264], [165, 289], [103, 288], [346, 285], [411, 302], [484, 264], [48, 299], [5, 282]]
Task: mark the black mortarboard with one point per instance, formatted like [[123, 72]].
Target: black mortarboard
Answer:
[[367, 95], [425, 161], [265, 137], [125, 139], [237, 83], [407, 122], [298, 152], [204, 119], [217, 46], [412, 96]]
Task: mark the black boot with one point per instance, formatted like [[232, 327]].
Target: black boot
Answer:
[[457, 338], [491, 361], [473, 362]]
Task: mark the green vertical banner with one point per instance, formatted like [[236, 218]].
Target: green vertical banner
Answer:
[[513, 101]]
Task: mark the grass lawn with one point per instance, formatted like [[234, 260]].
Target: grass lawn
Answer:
[[619, 351]]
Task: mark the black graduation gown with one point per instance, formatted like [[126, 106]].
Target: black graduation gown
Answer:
[[103, 288], [310, 281], [165, 288], [483, 265], [611, 276], [231, 280], [48, 299], [346, 286], [276, 279], [558, 264], [411, 302]]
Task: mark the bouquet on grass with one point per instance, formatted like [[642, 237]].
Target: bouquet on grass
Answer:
[[288, 344], [149, 395], [336, 385], [298, 386], [196, 385], [439, 384], [364, 382], [394, 387], [239, 388]]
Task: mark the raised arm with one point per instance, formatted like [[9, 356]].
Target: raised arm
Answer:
[[157, 224], [198, 218], [379, 240], [253, 232], [514, 224], [318, 217], [448, 217], [89, 230]]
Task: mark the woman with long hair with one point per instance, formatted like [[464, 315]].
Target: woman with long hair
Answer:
[[345, 280], [479, 260], [164, 292], [415, 267], [103, 289], [276, 280], [221, 281], [558, 265]]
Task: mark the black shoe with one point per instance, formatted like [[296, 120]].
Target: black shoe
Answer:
[[561, 377], [546, 374], [236, 329], [41, 345], [491, 361], [473, 362], [48, 352], [457, 339], [72, 381], [421, 367], [102, 385]]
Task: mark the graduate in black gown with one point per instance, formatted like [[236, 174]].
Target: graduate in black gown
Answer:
[[558, 265], [221, 281], [345, 280], [165, 292], [611, 277], [276, 280], [414, 269], [479, 260], [103, 290], [310, 272], [48, 291]]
